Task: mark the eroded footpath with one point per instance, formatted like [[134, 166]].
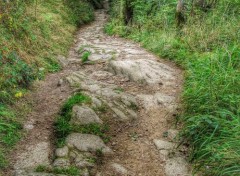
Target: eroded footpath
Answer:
[[141, 95]]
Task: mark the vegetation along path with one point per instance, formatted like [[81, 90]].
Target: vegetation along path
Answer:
[[116, 103]]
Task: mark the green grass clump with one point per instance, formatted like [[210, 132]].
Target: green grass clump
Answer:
[[71, 171], [85, 56], [207, 47]]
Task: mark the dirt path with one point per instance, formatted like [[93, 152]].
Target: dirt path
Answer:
[[141, 93]]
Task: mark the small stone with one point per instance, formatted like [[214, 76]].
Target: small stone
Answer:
[[177, 166], [163, 145], [61, 163], [96, 102], [120, 114], [60, 82], [172, 134], [83, 115], [85, 172], [62, 152], [119, 169]]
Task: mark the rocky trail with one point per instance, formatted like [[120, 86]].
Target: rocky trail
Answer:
[[141, 94]]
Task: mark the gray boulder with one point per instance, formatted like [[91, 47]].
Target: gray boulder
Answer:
[[87, 143], [83, 115]]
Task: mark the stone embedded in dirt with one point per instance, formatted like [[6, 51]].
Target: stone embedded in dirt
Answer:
[[60, 82], [158, 100], [63, 61], [83, 115], [177, 166], [81, 159], [143, 71], [87, 143], [62, 152], [100, 57], [172, 134], [61, 163], [164, 154], [119, 169], [121, 116], [34, 156], [163, 145], [96, 103]]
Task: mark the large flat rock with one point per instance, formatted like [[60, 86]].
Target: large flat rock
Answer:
[[143, 71], [87, 143], [34, 156]]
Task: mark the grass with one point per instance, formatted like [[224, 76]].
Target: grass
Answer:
[[207, 47], [9, 132], [85, 56], [64, 128], [71, 171], [31, 37]]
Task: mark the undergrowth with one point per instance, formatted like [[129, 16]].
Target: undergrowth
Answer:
[[207, 47], [32, 34]]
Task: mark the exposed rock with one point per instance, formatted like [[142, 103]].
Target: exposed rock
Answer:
[[177, 166], [87, 143], [62, 152], [60, 82], [163, 145], [61, 163], [172, 134], [119, 169], [143, 71], [120, 114], [85, 172], [158, 100], [83, 115], [81, 160], [96, 102], [34, 156]]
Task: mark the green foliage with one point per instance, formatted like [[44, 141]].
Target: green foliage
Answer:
[[32, 34], [85, 56], [70, 171], [9, 132], [207, 47]]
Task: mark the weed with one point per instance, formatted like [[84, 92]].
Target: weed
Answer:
[[85, 56], [102, 109], [119, 90], [70, 171], [133, 106]]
